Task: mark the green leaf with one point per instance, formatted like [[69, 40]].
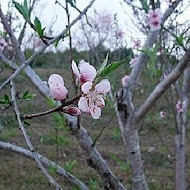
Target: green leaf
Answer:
[[179, 40], [145, 6], [26, 123], [103, 64], [69, 165], [28, 96], [110, 68], [72, 3], [3, 101], [6, 98], [26, 4], [38, 27], [57, 42], [23, 9]]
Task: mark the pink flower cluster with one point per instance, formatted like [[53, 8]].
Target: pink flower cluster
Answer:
[[3, 44], [155, 19], [180, 106], [93, 94], [92, 99]]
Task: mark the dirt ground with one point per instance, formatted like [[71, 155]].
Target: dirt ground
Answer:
[[157, 139]]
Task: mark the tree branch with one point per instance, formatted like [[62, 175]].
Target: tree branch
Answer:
[[61, 35], [46, 162], [162, 87], [27, 138]]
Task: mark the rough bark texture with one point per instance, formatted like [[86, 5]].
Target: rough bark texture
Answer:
[[127, 113], [134, 156], [181, 135], [95, 160]]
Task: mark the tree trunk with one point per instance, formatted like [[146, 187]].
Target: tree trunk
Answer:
[[135, 161]]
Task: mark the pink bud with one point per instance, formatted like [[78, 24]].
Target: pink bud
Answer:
[[72, 111], [162, 114], [125, 80]]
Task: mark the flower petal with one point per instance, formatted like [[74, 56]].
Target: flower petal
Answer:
[[86, 87], [83, 104], [59, 92], [100, 102], [55, 79], [82, 63], [88, 72], [75, 69], [103, 86], [95, 112]]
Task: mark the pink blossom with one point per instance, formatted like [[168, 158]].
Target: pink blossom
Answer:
[[137, 44], [125, 80], [162, 114], [93, 99], [155, 19], [72, 111], [84, 72], [180, 106], [57, 88], [3, 44], [119, 34], [133, 61]]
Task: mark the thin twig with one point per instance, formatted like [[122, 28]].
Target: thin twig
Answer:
[[56, 109], [27, 138], [103, 128], [61, 35]]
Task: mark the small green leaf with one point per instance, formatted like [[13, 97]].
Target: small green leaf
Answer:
[[103, 64], [110, 68], [69, 165], [179, 40], [145, 6], [57, 42], [28, 96], [26, 123], [23, 9], [6, 98], [72, 3], [38, 27], [3, 101]]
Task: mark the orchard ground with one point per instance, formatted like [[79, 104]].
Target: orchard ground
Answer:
[[157, 139]]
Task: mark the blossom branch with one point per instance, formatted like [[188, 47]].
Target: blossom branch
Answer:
[[56, 109], [61, 35], [46, 162], [151, 39], [27, 138], [162, 87]]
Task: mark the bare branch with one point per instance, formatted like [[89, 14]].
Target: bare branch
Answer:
[[162, 87], [61, 35], [151, 39], [46, 162], [27, 138]]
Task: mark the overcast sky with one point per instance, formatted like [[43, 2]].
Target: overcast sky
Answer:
[[48, 12]]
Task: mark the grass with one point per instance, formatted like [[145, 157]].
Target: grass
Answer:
[[20, 173]]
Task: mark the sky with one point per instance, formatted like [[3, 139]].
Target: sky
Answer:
[[51, 13]]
